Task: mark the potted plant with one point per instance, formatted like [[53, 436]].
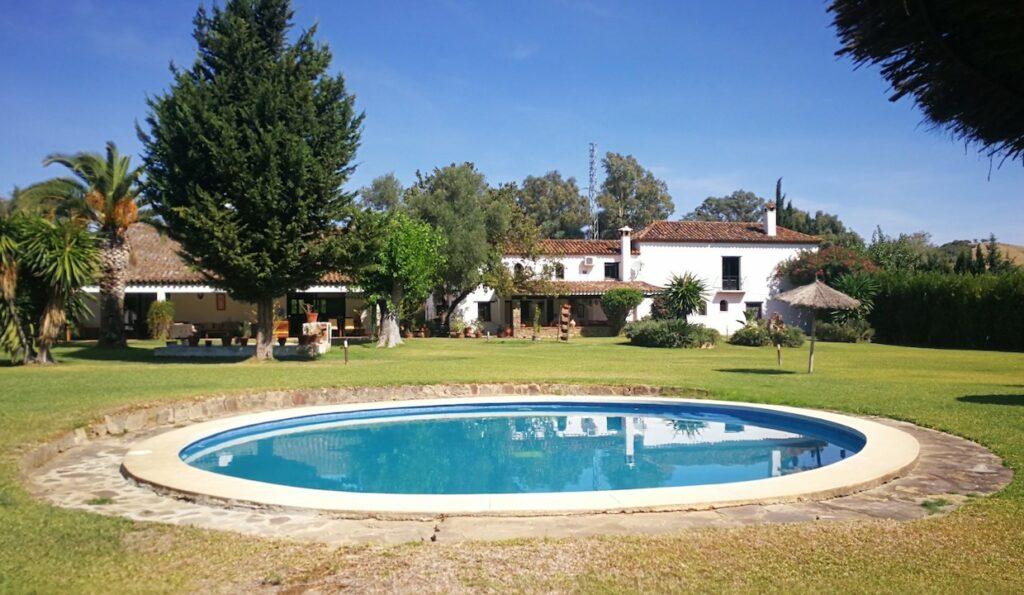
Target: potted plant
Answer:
[[244, 332], [282, 340], [457, 328], [311, 315], [193, 340], [208, 342]]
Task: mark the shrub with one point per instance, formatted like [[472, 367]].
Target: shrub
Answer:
[[851, 331], [950, 310], [790, 337], [159, 318], [670, 333], [618, 303], [752, 335]]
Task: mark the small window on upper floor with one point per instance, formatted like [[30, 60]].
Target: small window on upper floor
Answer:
[[723, 305], [611, 270]]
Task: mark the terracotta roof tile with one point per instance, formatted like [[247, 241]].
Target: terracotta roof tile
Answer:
[[719, 232], [156, 261], [551, 247]]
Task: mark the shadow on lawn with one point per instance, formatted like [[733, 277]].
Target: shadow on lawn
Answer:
[[1013, 400], [762, 371], [131, 354]]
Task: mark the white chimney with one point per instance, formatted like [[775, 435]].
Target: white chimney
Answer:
[[769, 219], [626, 246]]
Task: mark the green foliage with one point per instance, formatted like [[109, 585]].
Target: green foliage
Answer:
[[247, 152], [741, 205], [860, 286], [827, 264], [850, 331], [61, 253], [944, 310], [383, 194], [961, 62], [244, 330], [477, 223], [159, 318], [555, 205], [630, 195], [682, 296], [104, 190], [618, 303], [751, 335], [670, 333], [408, 257]]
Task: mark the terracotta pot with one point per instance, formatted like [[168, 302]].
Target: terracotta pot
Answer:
[[312, 316], [208, 342], [282, 340]]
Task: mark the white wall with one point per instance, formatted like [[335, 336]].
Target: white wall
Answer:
[[758, 281]]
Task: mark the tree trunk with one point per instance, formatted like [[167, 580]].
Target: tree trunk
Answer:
[[50, 326], [265, 329], [114, 256], [390, 334], [23, 350]]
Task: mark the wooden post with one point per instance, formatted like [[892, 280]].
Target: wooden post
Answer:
[[346, 351], [778, 348], [810, 362]]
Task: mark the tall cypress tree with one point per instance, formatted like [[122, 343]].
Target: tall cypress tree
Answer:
[[246, 155]]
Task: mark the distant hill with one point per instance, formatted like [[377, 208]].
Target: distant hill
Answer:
[[1015, 252]]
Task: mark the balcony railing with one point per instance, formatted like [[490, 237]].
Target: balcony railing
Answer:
[[731, 283]]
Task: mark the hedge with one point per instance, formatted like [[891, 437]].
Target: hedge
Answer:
[[950, 310], [674, 332]]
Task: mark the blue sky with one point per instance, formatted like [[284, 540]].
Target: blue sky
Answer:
[[712, 96]]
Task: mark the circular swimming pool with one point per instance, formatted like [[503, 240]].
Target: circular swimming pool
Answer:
[[516, 454]]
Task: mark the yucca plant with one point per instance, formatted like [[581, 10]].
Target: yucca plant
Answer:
[[104, 192], [12, 335], [684, 295], [63, 255]]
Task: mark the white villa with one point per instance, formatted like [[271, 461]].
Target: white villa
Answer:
[[737, 261]]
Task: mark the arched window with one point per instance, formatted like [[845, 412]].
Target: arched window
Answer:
[[723, 305], [559, 270], [518, 269]]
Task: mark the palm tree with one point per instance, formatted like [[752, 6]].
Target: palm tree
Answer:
[[12, 335], [63, 254], [104, 191], [684, 295]]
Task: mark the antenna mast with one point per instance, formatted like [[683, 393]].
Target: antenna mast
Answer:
[[595, 229]]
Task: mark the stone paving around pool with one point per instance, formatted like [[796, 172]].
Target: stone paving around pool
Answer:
[[87, 477]]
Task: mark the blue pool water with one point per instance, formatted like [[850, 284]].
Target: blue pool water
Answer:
[[525, 448]]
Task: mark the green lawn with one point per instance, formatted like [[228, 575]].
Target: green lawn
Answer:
[[975, 394]]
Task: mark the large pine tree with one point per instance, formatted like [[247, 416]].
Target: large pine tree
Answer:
[[247, 152]]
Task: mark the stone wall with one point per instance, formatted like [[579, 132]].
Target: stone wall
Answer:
[[181, 413]]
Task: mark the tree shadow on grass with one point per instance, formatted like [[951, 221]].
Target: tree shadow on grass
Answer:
[[1012, 400], [132, 354], [761, 371]]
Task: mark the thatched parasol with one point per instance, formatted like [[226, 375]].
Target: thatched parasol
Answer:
[[817, 296]]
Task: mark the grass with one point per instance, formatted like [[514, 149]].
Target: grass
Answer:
[[975, 394]]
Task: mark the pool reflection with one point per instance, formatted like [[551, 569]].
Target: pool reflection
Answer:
[[521, 454]]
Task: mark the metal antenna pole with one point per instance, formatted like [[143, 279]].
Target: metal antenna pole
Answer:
[[595, 230]]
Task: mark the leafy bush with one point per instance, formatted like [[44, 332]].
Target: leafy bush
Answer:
[[851, 331], [828, 264], [670, 333], [159, 318], [759, 333], [861, 286], [752, 335], [618, 303], [950, 310]]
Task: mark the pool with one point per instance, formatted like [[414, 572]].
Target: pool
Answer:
[[516, 454], [498, 448]]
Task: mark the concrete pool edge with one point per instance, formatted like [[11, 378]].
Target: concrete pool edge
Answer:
[[887, 454]]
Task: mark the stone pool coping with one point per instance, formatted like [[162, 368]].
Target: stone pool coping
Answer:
[[888, 453]]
